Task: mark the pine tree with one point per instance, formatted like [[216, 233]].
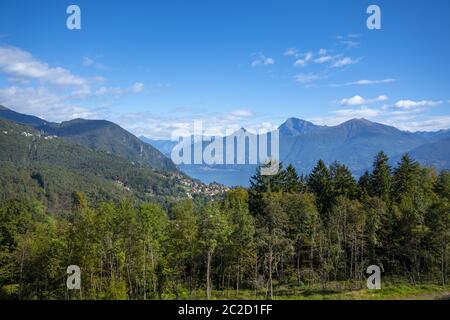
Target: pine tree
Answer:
[[438, 220], [443, 185], [268, 183], [381, 180], [292, 181], [405, 177], [319, 182], [364, 185], [342, 181]]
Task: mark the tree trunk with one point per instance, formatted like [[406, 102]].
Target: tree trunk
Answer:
[[270, 271], [298, 262], [145, 274], [238, 276], [208, 275], [443, 264]]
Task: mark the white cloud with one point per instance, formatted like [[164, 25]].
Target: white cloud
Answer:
[[308, 56], [261, 61], [409, 104], [358, 100], [407, 115], [43, 103], [102, 91], [241, 113], [215, 123], [306, 78], [92, 62], [323, 59], [350, 44], [345, 61], [365, 82], [427, 124], [53, 93], [21, 66], [304, 61], [138, 87], [353, 101], [334, 61], [300, 63], [349, 41], [290, 52], [358, 113], [87, 61]]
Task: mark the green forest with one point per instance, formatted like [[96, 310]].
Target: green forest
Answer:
[[284, 235]]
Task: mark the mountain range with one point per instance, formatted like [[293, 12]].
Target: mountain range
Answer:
[[97, 134], [353, 143], [302, 143], [48, 161]]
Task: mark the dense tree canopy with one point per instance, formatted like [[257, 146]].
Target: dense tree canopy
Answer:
[[286, 229]]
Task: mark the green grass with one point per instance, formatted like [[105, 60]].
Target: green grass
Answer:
[[337, 291]]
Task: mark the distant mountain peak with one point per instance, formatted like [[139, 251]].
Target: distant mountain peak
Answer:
[[241, 131], [359, 120], [295, 127], [359, 123], [21, 118], [98, 134], [294, 119]]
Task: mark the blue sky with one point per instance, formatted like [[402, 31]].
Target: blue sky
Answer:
[[155, 66]]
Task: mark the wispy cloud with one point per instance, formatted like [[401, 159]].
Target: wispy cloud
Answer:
[[365, 82], [43, 103], [433, 123], [306, 78], [404, 114], [349, 41], [363, 112], [92, 62], [241, 113], [138, 87], [344, 61], [214, 123], [54, 93], [410, 104], [290, 52], [304, 60], [323, 59], [350, 44], [19, 65], [358, 100], [261, 60]]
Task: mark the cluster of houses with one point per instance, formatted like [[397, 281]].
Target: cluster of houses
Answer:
[[38, 135], [195, 187]]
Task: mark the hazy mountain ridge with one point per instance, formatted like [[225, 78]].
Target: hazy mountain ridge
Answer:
[[98, 134], [50, 168], [302, 143], [354, 143]]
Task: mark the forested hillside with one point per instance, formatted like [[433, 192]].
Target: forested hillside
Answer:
[[49, 168], [283, 234], [97, 134]]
